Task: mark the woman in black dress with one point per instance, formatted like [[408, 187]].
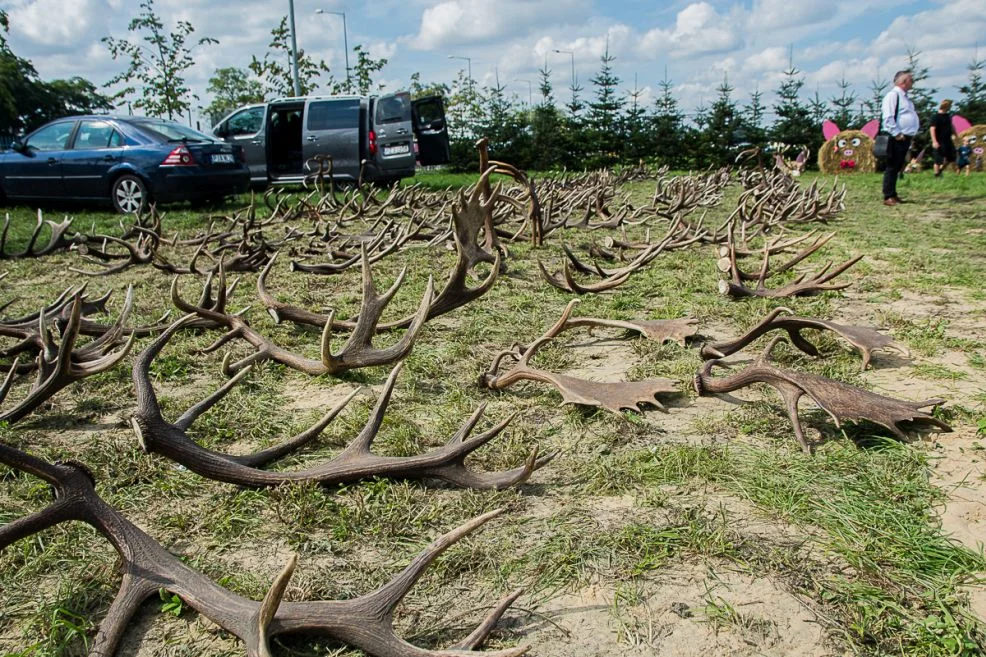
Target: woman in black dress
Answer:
[[941, 137]]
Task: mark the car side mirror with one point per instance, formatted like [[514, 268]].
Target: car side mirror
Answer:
[[20, 147], [437, 124]]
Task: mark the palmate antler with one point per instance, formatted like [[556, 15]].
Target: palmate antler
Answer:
[[355, 462], [365, 622], [613, 396], [840, 400], [358, 351], [867, 340]]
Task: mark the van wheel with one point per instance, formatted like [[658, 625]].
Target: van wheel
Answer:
[[128, 194]]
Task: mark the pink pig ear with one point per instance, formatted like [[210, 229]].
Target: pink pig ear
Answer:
[[830, 129], [960, 123], [871, 128]]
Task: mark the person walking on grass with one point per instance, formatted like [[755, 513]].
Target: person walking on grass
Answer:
[[900, 121], [941, 137]]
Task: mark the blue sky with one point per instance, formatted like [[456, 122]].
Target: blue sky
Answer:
[[698, 42]]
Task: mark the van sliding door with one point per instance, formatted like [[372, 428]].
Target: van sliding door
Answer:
[[332, 128]]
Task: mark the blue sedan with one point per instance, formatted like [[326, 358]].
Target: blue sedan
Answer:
[[130, 161]]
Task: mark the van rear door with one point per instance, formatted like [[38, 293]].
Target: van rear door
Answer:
[[431, 130], [332, 128], [393, 136]]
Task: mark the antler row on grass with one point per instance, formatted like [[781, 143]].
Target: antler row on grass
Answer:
[[469, 217], [355, 462], [840, 400], [867, 340], [365, 622]]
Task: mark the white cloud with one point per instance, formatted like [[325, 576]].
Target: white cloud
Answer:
[[460, 22], [699, 29], [770, 59], [57, 24], [778, 14]]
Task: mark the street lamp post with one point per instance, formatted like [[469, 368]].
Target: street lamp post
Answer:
[[294, 51], [574, 81], [345, 43], [469, 65]]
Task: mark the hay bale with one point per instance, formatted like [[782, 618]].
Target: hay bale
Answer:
[[850, 151], [978, 147]]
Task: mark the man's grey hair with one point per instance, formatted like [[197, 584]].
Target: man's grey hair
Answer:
[[900, 75]]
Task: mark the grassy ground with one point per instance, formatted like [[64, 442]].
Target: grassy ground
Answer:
[[703, 530]]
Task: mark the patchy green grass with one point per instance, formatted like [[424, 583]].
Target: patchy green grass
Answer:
[[856, 531]]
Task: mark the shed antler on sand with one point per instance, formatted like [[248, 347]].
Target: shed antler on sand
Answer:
[[866, 339], [365, 622], [840, 400], [614, 396]]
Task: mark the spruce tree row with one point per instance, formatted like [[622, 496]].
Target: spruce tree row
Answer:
[[610, 127]]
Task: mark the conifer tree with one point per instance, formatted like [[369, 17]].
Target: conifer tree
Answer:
[[636, 127], [720, 133], [922, 94], [794, 124], [752, 115], [844, 105], [973, 103], [874, 105], [668, 128], [546, 127], [604, 132]]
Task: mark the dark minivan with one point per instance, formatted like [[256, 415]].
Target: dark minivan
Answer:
[[390, 134]]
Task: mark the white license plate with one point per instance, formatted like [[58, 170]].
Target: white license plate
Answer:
[[396, 150], [222, 158]]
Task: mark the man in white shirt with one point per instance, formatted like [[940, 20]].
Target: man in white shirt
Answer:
[[900, 121]]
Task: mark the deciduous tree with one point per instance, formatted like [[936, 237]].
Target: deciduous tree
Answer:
[[159, 64], [274, 70], [231, 87]]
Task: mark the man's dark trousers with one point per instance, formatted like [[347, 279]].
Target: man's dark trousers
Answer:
[[896, 153]]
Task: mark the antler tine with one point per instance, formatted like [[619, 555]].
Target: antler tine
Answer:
[[476, 638], [269, 605], [385, 599]]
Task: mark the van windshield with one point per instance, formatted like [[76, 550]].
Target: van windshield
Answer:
[[393, 109]]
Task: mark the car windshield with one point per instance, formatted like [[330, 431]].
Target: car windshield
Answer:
[[171, 131], [394, 109]]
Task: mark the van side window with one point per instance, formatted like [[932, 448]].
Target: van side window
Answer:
[[247, 122], [393, 109], [333, 114]]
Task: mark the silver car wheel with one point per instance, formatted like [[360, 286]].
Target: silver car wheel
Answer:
[[129, 195]]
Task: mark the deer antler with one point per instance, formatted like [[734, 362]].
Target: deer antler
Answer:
[[60, 365], [56, 240], [365, 622], [613, 396], [801, 286], [867, 340], [840, 400], [355, 462], [357, 352], [468, 218]]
